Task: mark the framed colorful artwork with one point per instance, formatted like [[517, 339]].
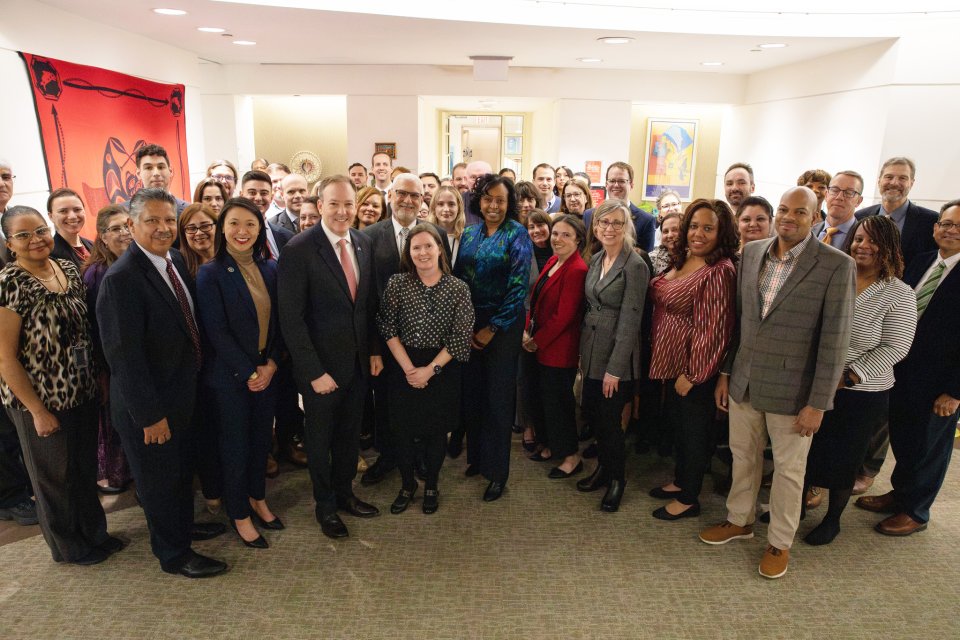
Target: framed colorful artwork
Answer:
[[671, 155], [389, 148]]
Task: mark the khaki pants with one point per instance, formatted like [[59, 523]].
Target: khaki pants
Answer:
[[748, 437]]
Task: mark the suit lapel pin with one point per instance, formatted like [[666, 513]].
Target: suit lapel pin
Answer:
[[230, 269]]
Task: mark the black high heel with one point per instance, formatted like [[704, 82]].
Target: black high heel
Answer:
[[259, 543], [594, 481]]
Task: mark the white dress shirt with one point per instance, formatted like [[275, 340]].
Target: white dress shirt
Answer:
[[161, 265], [351, 250]]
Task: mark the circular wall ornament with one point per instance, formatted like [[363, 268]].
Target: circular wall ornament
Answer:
[[307, 164]]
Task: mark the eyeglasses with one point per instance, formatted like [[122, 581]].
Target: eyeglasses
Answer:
[[618, 183], [573, 196], [401, 194], [948, 226], [847, 193], [222, 178], [192, 229], [119, 229], [616, 224], [24, 236]]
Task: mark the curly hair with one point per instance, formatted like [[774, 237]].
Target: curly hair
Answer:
[[728, 240], [885, 234], [487, 182]]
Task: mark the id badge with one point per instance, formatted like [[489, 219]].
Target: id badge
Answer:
[[80, 356]]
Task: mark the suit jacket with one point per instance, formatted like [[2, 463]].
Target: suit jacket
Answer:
[[146, 342], [283, 220], [793, 357], [553, 208], [644, 224], [610, 335], [917, 234], [324, 330], [281, 235], [932, 366], [386, 255], [558, 313], [231, 327], [63, 250]]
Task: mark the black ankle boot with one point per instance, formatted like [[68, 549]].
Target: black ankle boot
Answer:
[[611, 501], [596, 480]]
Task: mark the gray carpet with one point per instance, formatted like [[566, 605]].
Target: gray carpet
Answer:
[[543, 562]]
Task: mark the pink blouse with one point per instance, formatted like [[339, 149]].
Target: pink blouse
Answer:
[[693, 321]]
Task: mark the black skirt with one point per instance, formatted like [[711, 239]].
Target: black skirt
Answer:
[[433, 409], [840, 445]]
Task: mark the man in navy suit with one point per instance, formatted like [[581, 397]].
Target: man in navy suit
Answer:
[[925, 401], [897, 176], [545, 179], [327, 296], [619, 184], [151, 342]]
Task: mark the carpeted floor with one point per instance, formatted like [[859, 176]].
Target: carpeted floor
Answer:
[[543, 562]]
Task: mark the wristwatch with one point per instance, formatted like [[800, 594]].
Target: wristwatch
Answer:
[[492, 328], [437, 369], [848, 380]]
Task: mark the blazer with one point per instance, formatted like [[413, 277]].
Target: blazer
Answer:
[[283, 221], [63, 250], [644, 224], [229, 318], [146, 342], [917, 234], [795, 356], [932, 366], [610, 335], [281, 235], [558, 313], [553, 208], [386, 255], [324, 330]]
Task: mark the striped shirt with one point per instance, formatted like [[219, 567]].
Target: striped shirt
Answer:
[[693, 321], [775, 270], [884, 321]]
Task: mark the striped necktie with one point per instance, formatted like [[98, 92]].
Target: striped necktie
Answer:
[[926, 291]]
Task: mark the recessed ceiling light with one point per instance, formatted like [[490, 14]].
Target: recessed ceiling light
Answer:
[[711, 64], [245, 43], [772, 45], [590, 59], [615, 39], [170, 12], [211, 29]]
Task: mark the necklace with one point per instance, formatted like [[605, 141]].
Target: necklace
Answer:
[[55, 277]]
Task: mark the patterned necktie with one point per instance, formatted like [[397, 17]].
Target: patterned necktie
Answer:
[[831, 231], [348, 271], [404, 232], [926, 291], [185, 308]]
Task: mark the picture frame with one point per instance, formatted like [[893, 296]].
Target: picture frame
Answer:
[[670, 156], [389, 148]]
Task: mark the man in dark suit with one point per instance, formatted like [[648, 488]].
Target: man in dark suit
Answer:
[[327, 293], [795, 306], [619, 184], [843, 196], [294, 188], [151, 342], [925, 401], [897, 176]]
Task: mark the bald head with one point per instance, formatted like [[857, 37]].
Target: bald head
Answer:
[[476, 169], [795, 216], [294, 188]]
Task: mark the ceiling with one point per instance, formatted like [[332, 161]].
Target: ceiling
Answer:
[[667, 36]]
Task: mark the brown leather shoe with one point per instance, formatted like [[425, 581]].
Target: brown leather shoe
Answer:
[[862, 484], [886, 503], [294, 452], [899, 525], [814, 497], [273, 469], [774, 562]]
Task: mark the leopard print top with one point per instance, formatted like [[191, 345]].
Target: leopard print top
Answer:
[[51, 324]]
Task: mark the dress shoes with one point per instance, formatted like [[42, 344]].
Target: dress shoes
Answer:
[[663, 514], [814, 497], [472, 470], [494, 491], [661, 494], [611, 500], [332, 526], [109, 490], [274, 525], [862, 484], [112, 545], [899, 525], [886, 503], [273, 469], [296, 453], [377, 472], [539, 457], [591, 451], [357, 507], [404, 498], [430, 501], [206, 530], [96, 555], [558, 474], [530, 445], [259, 543], [196, 566], [594, 481]]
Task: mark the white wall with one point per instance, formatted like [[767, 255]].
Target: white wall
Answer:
[[592, 130], [383, 118]]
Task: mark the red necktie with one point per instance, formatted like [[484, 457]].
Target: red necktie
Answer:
[[185, 308], [348, 271]]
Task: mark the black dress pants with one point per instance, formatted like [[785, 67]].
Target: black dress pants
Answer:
[[691, 419], [558, 407], [604, 415], [14, 482]]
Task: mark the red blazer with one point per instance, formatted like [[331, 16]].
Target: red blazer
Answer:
[[559, 313]]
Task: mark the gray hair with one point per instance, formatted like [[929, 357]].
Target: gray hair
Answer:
[[407, 176], [612, 206], [4, 163], [140, 199]]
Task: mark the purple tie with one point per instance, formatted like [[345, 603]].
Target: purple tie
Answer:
[[185, 308]]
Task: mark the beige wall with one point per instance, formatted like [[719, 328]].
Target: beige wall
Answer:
[[285, 125], [710, 118]]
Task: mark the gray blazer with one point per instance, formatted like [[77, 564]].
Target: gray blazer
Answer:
[[610, 336], [794, 357], [283, 220]]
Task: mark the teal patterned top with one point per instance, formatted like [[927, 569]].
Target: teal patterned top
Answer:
[[497, 270]]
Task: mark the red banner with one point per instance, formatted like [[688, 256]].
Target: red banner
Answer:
[[93, 121]]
